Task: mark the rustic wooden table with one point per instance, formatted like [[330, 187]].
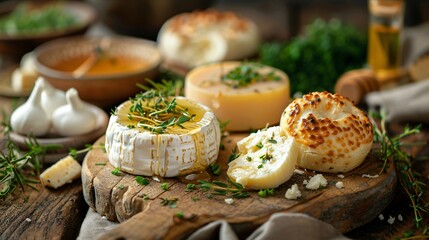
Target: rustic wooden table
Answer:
[[58, 214]]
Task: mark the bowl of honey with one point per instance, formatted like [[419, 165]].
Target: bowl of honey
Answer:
[[105, 70]]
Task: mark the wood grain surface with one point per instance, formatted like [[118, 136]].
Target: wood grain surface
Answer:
[[43, 214], [140, 209]]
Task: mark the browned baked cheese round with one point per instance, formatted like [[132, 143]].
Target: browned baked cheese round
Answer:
[[201, 37], [334, 135]]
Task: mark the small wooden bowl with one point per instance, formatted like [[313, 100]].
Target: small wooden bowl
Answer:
[[102, 89], [65, 143]]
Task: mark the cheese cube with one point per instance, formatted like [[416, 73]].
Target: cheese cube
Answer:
[[64, 171]]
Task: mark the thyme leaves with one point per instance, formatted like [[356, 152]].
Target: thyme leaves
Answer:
[[246, 74], [156, 110]]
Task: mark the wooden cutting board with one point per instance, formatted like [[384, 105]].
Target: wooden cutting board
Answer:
[[140, 209], [43, 214]]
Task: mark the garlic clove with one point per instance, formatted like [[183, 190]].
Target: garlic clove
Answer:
[[75, 118], [52, 98], [30, 118]]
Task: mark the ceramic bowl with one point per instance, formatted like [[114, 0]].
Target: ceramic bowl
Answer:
[[15, 46], [55, 61]]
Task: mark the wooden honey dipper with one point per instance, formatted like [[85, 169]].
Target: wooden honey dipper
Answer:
[[355, 84]]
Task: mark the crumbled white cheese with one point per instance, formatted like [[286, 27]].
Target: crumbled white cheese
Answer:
[[391, 220], [156, 179], [229, 201], [293, 192], [369, 176], [339, 185], [340, 175], [297, 171], [400, 218], [316, 182], [305, 182], [381, 217], [28, 219]]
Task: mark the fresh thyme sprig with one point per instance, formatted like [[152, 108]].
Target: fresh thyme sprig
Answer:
[[391, 150], [19, 169], [246, 74], [156, 109], [73, 152], [220, 188]]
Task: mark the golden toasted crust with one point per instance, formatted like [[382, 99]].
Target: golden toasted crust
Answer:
[[186, 23], [335, 136]]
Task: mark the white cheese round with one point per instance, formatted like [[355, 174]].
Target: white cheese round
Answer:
[[200, 37], [245, 108], [176, 152]]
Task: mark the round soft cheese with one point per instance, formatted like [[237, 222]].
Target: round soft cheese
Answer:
[[333, 134], [200, 37], [178, 151], [245, 108]]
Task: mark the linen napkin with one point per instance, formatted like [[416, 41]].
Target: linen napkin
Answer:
[[295, 226], [407, 103]]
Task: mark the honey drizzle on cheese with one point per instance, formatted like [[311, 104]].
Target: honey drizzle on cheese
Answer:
[[159, 143]]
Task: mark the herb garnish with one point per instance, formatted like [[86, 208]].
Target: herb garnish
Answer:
[[214, 168], [88, 147], [116, 172], [246, 74], [391, 150], [220, 188], [165, 186], [266, 192], [142, 180], [190, 187], [171, 202], [156, 110], [16, 169], [180, 215], [234, 155], [266, 157]]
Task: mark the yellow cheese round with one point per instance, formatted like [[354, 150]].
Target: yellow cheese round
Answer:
[[249, 107]]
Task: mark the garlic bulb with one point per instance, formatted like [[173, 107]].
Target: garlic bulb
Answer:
[[52, 98], [75, 118], [31, 118]]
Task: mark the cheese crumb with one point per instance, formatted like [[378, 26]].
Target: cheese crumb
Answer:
[[339, 185], [293, 192], [369, 176], [400, 218], [305, 182], [229, 201], [391, 220], [297, 171], [28, 219], [316, 182], [381, 217], [340, 175]]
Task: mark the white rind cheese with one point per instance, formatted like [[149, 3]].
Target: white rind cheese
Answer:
[[250, 169], [138, 151], [245, 108], [64, 171], [201, 37]]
